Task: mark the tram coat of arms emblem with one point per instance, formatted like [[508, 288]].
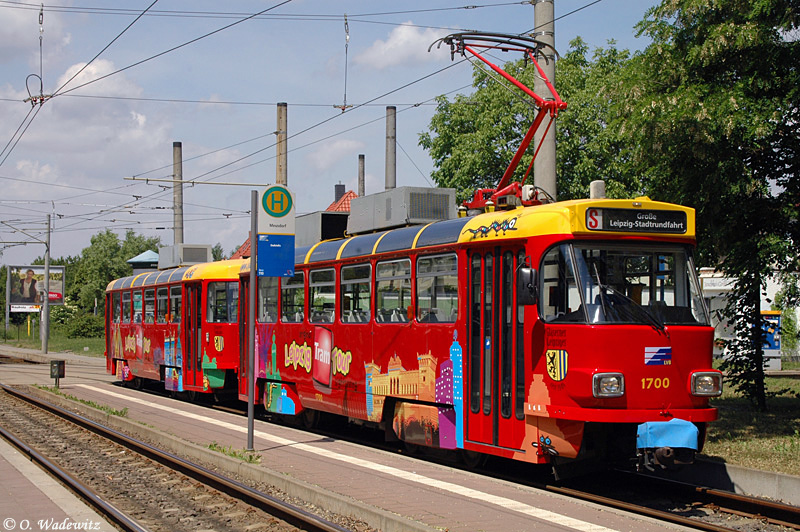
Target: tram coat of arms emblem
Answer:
[[556, 362]]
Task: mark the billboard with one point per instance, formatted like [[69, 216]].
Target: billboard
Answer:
[[25, 287]]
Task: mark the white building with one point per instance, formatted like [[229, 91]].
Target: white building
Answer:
[[716, 287]]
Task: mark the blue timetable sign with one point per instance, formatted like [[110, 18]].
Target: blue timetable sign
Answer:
[[275, 256]]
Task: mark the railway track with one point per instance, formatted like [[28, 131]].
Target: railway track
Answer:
[[139, 487], [690, 506]]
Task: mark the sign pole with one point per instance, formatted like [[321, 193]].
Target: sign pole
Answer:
[[8, 301], [251, 318]]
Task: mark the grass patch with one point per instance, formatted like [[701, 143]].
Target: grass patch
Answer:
[[241, 454], [105, 408], [790, 365], [58, 341], [769, 441]]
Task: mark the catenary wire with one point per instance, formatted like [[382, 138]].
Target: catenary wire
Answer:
[[106, 47], [178, 47]]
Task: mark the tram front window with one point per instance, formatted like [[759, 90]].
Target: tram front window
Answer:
[[621, 283]]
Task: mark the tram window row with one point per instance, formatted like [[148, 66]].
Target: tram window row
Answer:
[[391, 285]]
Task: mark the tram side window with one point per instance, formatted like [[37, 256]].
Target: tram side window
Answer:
[[437, 288], [293, 297], [222, 302], [137, 306], [174, 305], [150, 305], [560, 300], [393, 291], [162, 304], [322, 295], [115, 306], [356, 296], [126, 307], [267, 299]]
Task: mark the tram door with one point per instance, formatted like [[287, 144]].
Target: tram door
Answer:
[[244, 333], [193, 357], [496, 380]]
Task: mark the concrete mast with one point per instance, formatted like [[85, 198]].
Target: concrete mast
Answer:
[[544, 168]]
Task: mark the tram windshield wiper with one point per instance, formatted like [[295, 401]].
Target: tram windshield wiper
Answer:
[[633, 309]]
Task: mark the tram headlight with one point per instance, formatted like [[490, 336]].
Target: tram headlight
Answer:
[[706, 384], [606, 385]]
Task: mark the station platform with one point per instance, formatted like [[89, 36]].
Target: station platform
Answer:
[[390, 492], [31, 500]]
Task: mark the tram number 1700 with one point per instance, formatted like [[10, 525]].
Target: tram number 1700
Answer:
[[657, 383]]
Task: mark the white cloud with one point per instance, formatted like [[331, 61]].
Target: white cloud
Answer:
[[406, 45], [87, 141], [19, 36], [326, 156]]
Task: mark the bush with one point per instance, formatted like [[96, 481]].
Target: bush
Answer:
[[85, 326], [63, 314]]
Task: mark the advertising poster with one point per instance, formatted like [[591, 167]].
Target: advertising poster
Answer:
[[26, 290]]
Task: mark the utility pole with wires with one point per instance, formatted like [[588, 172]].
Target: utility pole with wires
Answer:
[[544, 169], [177, 191]]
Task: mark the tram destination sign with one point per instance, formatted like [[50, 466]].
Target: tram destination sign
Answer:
[[636, 221]]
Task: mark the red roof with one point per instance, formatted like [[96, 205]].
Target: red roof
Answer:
[[244, 250], [343, 203]]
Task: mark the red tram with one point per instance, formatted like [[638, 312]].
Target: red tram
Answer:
[[178, 326], [547, 333], [544, 333]]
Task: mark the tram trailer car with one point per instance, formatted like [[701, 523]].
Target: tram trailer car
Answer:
[[548, 334], [177, 326]]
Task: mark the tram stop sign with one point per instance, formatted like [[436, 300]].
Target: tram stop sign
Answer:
[[276, 231]]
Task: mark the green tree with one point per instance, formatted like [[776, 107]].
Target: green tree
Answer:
[[587, 148], [217, 253], [711, 107], [102, 262]]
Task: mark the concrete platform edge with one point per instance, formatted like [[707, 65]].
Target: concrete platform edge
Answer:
[[333, 502]]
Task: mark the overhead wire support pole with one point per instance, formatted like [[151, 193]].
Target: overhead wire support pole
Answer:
[[45, 320], [251, 319]]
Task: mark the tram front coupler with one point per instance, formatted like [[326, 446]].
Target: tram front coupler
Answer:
[[666, 445]]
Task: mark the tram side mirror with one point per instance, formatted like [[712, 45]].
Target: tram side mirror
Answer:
[[527, 286]]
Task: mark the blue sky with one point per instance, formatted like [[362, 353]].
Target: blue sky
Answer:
[[217, 96]]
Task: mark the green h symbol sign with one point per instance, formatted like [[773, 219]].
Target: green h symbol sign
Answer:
[[277, 202]]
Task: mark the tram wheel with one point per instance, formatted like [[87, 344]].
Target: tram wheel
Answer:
[[137, 383], [308, 419], [412, 449], [473, 459], [192, 396]]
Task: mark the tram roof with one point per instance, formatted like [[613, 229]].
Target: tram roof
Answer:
[[223, 269], [564, 217]]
